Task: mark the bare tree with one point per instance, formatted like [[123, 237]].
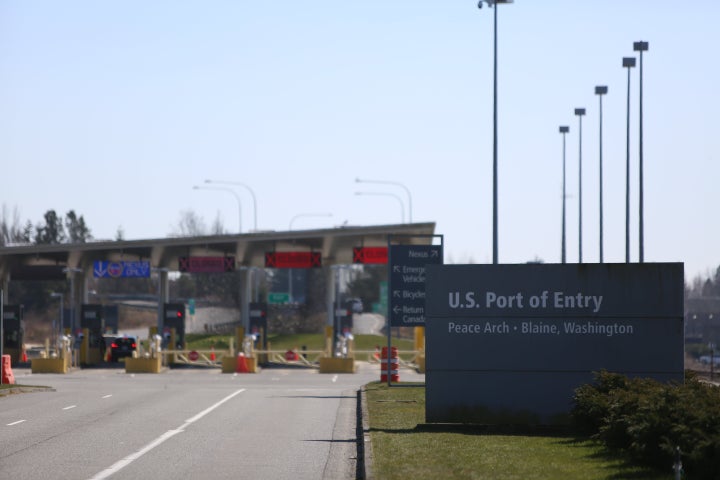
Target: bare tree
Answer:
[[190, 224], [11, 229], [217, 227]]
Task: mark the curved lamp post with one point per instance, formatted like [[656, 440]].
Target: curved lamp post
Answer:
[[301, 215], [237, 197], [387, 194], [407, 191], [252, 194]]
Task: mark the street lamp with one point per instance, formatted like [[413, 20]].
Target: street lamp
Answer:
[[252, 193], [495, 136], [628, 62], [383, 182], [62, 309], [237, 197], [641, 47], [387, 194], [601, 90], [300, 215], [563, 130], [580, 112]]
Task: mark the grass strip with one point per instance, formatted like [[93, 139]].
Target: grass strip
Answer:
[[404, 447]]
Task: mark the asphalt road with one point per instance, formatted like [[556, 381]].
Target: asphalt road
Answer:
[[183, 423]]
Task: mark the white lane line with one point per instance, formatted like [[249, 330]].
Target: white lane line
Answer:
[[15, 423], [107, 396], [334, 379], [117, 466], [69, 407]]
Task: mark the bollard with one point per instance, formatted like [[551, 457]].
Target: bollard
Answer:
[[390, 365]]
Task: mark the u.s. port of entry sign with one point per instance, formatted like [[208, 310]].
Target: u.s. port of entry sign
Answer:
[[511, 343]]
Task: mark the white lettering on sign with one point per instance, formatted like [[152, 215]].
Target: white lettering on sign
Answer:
[[597, 328], [577, 301], [417, 254], [541, 328], [520, 300]]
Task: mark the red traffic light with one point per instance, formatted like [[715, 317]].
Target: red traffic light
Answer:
[[179, 314]]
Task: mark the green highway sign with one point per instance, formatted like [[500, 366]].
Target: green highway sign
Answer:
[[278, 297]]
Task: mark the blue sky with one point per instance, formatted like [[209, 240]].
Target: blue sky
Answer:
[[116, 109]]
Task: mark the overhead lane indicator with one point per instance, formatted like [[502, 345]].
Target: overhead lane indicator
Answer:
[[206, 264], [370, 255], [293, 259], [138, 269]]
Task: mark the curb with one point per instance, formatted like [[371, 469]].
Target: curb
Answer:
[[364, 445]]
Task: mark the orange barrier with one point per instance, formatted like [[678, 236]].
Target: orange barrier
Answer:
[[241, 366], [390, 365], [7, 374]]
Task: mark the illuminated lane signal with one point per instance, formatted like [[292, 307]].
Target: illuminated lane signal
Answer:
[[370, 255], [293, 260]]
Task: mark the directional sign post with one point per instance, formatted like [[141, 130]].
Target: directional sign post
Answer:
[[407, 282], [406, 289]]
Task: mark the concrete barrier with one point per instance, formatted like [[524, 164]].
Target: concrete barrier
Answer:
[[49, 365], [337, 365], [143, 365]]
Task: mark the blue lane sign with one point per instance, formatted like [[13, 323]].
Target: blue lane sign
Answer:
[[102, 269]]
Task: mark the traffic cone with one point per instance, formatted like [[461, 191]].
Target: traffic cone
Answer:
[[212, 354], [24, 356], [241, 366]]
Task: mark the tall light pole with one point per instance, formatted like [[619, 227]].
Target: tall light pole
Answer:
[[398, 184], [495, 129], [237, 197], [628, 62], [386, 194], [641, 47], [252, 194], [580, 112], [601, 90], [564, 130]]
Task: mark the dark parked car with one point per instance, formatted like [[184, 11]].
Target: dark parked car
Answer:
[[122, 347]]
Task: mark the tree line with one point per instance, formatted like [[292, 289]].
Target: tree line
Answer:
[[53, 229]]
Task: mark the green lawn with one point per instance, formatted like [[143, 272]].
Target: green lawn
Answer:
[[404, 447]]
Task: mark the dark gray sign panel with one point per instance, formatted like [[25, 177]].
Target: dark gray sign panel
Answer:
[[407, 282], [514, 341]]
